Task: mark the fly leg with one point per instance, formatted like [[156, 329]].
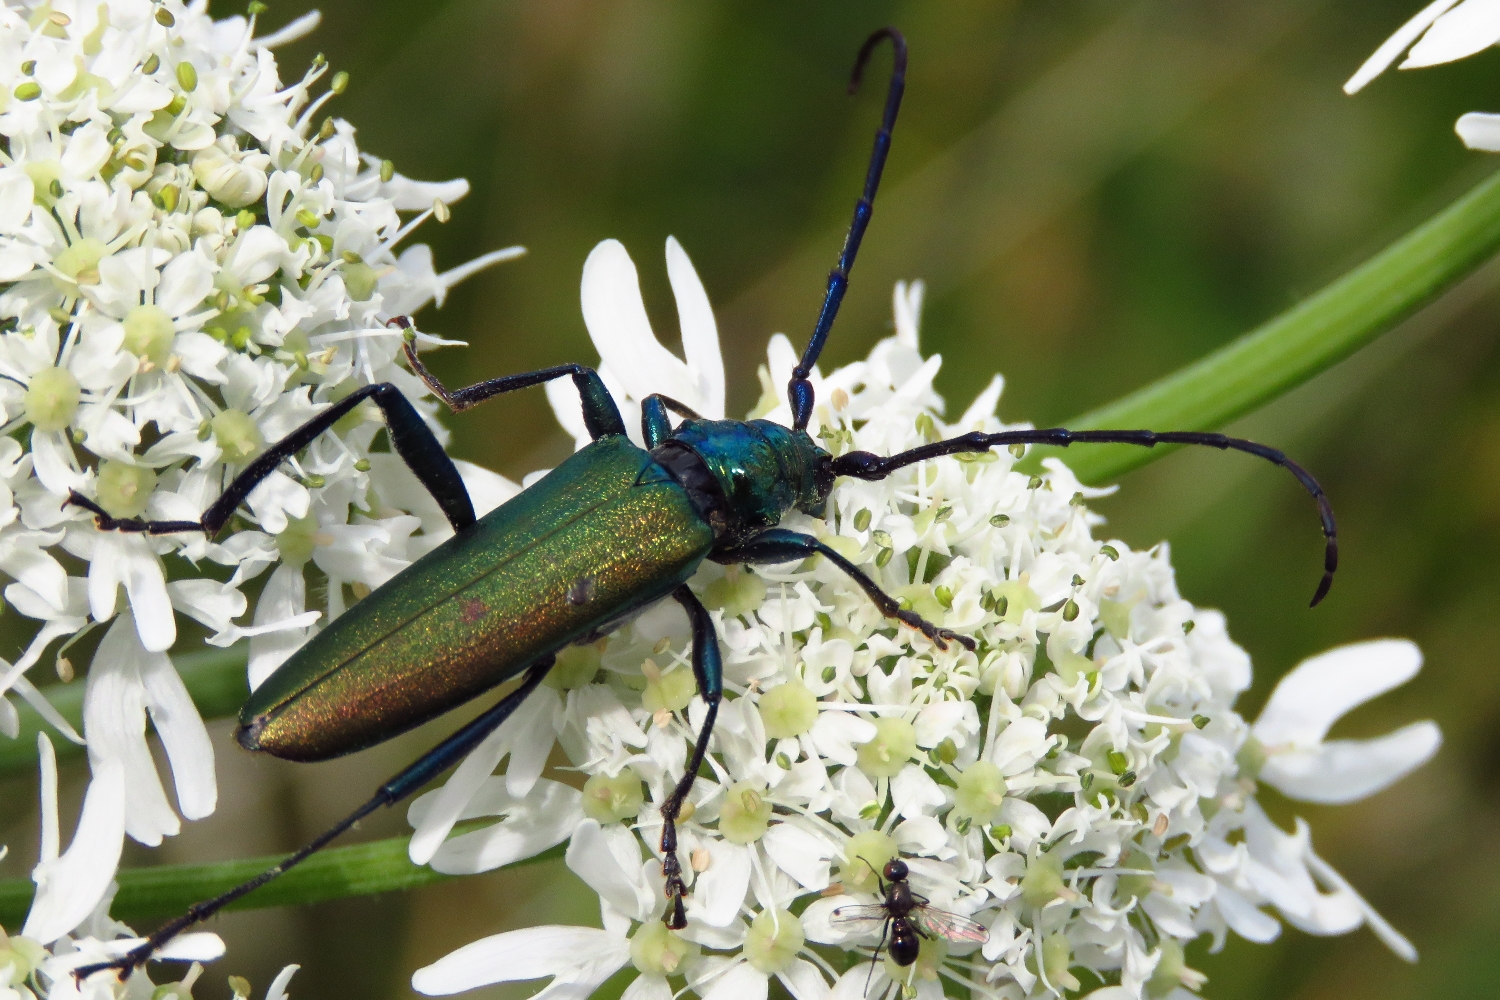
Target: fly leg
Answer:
[[778, 545], [709, 672], [427, 767]]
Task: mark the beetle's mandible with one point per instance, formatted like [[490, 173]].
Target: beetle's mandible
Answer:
[[613, 529]]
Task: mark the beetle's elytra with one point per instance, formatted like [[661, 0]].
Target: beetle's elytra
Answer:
[[611, 530]]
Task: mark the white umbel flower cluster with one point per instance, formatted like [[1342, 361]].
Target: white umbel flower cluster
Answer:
[[1081, 785], [1442, 32], [194, 259]]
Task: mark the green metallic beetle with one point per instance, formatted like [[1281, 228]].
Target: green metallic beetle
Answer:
[[613, 529]]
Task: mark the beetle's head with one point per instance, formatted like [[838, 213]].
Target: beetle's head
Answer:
[[759, 470]]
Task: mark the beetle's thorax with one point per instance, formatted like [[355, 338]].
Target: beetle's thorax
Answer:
[[746, 475]]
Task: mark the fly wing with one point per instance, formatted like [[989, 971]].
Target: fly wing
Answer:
[[857, 919], [941, 923]]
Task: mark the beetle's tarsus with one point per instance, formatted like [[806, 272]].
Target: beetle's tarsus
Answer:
[[939, 635]]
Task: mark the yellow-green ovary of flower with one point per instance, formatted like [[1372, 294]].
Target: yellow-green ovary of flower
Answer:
[[670, 691], [1016, 598], [52, 399], [237, 435], [1171, 972], [149, 333], [360, 280], [80, 262], [610, 800], [788, 710], [20, 955], [657, 951], [297, 541], [43, 173], [1043, 881], [981, 790], [894, 744], [1057, 957], [576, 667], [735, 593], [745, 815], [930, 957], [123, 489], [772, 943], [1134, 886], [865, 856]]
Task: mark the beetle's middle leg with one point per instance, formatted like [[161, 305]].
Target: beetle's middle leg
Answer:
[[413, 777], [778, 545], [709, 672]]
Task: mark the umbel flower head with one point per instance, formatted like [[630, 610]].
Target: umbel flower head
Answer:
[[194, 259], [1080, 784]]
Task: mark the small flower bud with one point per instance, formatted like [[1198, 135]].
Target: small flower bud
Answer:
[[387, 171], [164, 17], [340, 82], [187, 75]]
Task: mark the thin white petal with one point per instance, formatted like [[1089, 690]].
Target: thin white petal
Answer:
[[1320, 690], [199, 946], [592, 859], [1341, 771], [700, 333], [303, 25], [277, 989], [720, 891], [1393, 939], [1396, 44], [579, 954], [741, 982], [183, 735], [617, 323], [1245, 919], [543, 819], [70, 887], [1470, 27], [803, 981], [51, 836], [1479, 131]]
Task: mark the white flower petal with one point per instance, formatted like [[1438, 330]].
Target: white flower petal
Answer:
[[542, 819], [1341, 771], [580, 957], [740, 982], [591, 857], [700, 333], [1398, 43], [617, 323], [1479, 131], [720, 891], [1320, 690], [1472, 26], [803, 981], [70, 887]]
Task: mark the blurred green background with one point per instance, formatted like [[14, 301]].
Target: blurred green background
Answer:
[[1096, 193]]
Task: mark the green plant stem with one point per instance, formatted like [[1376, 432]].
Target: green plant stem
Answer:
[[1229, 383], [159, 893], [214, 677], [1305, 340]]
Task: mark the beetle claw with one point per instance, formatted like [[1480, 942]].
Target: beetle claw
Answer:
[[939, 636]]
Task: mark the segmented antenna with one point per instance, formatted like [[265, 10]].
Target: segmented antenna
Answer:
[[799, 391]]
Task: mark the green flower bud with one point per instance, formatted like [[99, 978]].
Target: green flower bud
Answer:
[[1043, 881], [788, 709], [657, 951], [610, 800], [773, 941], [745, 815], [237, 436], [387, 171], [52, 399], [340, 82], [28, 91], [981, 790], [864, 857], [187, 76], [894, 744], [123, 489], [149, 333]]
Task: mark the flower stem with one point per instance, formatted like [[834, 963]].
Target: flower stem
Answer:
[[1307, 339], [214, 677], [154, 894]]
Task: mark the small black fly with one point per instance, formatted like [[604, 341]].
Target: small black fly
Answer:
[[906, 918]]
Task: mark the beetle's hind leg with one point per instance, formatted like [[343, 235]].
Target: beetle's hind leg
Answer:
[[709, 672], [409, 434], [778, 545], [423, 770]]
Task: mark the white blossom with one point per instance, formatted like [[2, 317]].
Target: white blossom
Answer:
[[1081, 784], [1443, 31], [194, 260]]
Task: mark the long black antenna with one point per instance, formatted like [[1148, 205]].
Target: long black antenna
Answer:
[[799, 391]]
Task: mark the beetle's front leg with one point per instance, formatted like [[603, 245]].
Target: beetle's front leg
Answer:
[[778, 545], [709, 672]]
